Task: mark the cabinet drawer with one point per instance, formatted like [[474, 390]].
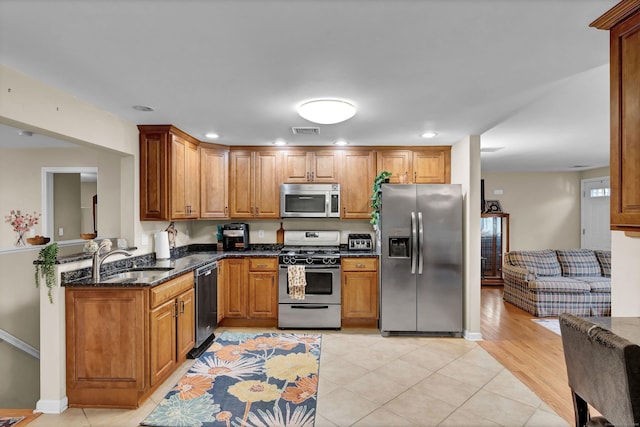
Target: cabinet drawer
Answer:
[[168, 290], [359, 264], [263, 264]]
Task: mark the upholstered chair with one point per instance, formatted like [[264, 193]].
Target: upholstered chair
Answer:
[[604, 372]]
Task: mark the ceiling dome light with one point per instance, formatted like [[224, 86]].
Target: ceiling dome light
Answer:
[[279, 142], [341, 142], [429, 135], [211, 135], [326, 111]]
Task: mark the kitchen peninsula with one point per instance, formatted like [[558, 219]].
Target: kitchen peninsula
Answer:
[[125, 337]]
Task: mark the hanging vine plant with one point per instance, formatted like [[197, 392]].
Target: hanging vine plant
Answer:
[[46, 267], [380, 179]]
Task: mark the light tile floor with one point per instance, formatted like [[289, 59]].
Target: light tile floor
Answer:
[[369, 380]]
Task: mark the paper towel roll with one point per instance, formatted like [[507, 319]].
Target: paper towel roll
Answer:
[[162, 245]]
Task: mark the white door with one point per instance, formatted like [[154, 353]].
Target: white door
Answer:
[[596, 195]]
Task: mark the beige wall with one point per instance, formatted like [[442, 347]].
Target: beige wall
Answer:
[[32, 105], [66, 206], [595, 173], [27, 196], [20, 316], [544, 207]]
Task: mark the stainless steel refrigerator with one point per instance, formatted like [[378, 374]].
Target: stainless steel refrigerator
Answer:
[[421, 259]]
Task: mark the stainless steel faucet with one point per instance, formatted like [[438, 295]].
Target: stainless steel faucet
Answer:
[[98, 260]]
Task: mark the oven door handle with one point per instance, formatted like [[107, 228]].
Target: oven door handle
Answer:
[[310, 306], [315, 268]]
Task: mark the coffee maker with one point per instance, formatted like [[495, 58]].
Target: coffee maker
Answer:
[[235, 237]]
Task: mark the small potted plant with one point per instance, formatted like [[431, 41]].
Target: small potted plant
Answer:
[[380, 179]]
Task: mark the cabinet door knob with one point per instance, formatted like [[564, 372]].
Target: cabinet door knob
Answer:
[[308, 177], [312, 176]]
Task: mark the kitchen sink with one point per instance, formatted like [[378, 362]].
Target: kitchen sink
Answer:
[[137, 275]]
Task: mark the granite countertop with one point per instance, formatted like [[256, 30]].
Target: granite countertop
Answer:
[[176, 266]]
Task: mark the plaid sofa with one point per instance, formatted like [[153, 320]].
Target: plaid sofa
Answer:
[[550, 282]]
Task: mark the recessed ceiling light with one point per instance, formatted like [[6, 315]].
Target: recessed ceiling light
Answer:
[[341, 142], [429, 135], [279, 142], [211, 135], [326, 111], [143, 108]]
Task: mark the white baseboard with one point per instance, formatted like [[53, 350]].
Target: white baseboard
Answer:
[[472, 336], [52, 406]]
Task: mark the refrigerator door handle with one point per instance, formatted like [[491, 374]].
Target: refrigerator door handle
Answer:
[[414, 243], [420, 243]]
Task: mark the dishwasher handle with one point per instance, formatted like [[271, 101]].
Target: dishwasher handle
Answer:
[[206, 270]]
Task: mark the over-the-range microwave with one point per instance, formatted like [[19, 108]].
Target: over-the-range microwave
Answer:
[[310, 200]]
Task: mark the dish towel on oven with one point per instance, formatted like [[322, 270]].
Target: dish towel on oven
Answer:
[[297, 281]]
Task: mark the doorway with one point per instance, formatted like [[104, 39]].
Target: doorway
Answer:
[[595, 220]]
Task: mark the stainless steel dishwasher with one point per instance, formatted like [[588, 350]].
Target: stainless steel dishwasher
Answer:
[[206, 316]]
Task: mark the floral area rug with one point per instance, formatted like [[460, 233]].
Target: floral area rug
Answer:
[[551, 324], [10, 421], [268, 379]]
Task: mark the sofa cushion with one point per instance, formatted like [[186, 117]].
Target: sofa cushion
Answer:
[[597, 283], [604, 258], [541, 263], [559, 284], [578, 263]]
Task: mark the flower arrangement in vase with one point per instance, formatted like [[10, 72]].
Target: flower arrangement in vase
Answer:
[[21, 223]]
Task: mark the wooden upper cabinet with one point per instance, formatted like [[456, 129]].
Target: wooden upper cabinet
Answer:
[[267, 184], [428, 165], [321, 166], [214, 182], [398, 162], [169, 173], [255, 184], [359, 169], [623, 21], [185, 178], [432, 166], [241, 184]]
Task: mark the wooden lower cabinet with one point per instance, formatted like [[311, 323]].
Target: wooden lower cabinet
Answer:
[[263, 288], [121, 343], [360, 292], [251, 292], [172, 334]]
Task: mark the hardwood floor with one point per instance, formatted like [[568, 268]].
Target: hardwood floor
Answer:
[[531, 352]]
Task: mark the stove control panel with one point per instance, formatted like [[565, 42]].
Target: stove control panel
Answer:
[[309, 260]]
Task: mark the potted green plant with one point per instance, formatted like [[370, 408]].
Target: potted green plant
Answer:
[[380, 179], [46, 266]]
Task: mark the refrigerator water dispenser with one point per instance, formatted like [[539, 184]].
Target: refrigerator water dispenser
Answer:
[[399, 247]]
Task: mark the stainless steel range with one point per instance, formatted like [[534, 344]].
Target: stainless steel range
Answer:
[[319, 253]]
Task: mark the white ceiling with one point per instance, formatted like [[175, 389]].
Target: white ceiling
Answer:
[[529, 76]]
